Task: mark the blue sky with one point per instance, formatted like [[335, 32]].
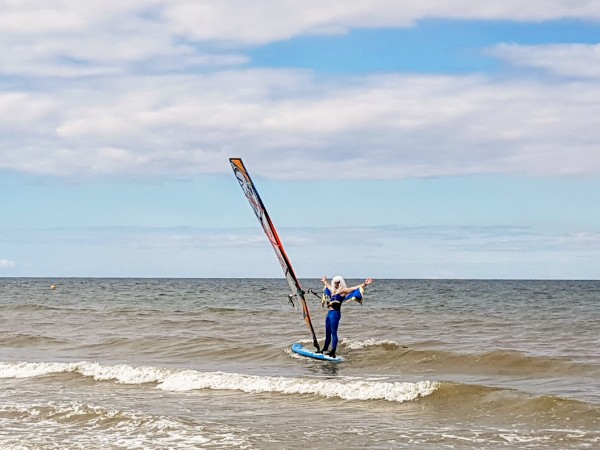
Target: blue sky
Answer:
[[388, 139]]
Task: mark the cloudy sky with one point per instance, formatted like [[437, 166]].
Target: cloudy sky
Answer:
[[388, 138]]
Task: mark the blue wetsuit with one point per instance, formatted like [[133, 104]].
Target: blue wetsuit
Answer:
[[334, 315], [333, 321]]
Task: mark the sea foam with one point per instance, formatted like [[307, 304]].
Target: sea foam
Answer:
[[188, 380], [359, 344]]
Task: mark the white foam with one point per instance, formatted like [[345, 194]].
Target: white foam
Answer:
[[123, 373], [120, 373], [91, 426], [345, 389], [187, 380], [353, 344], [30, 370], [358, 344]]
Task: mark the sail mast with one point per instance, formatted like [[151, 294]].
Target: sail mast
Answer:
[[263, 217]]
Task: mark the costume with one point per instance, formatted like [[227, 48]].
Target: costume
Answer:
[[334, 315]]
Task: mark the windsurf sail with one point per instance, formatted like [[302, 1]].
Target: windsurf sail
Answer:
[[260, 211]]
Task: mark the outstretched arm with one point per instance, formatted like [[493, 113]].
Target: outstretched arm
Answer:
[[326, 283], [367, 282]]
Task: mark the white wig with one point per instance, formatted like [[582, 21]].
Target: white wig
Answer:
[[342, 285]]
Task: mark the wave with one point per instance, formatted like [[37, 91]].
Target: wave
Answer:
[[188, 380], [35, 307], [81, 425], [475, 400], [27, 340], [352, 344], [183, 348], [463, 400], [497, 362]]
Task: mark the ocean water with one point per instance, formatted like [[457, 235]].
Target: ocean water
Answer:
[[206, 363]]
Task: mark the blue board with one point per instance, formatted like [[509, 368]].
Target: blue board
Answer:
[[299, 348]]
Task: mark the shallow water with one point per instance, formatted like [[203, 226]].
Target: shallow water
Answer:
[[206, 363]]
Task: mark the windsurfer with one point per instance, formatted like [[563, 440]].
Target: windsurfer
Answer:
[[338, 294]]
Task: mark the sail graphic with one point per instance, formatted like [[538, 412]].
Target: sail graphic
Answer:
[[263, 217]]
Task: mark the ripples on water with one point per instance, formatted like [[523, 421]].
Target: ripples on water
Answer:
[[125, 363]]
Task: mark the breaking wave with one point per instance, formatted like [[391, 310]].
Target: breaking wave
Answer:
[[359, 344], [188, 380]]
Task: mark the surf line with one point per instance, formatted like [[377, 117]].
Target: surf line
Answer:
[[263, 217]]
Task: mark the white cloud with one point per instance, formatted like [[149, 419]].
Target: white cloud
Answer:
[[6, 264], [21, 109], [390, 126], [265, 21], [73, 38], [105, 91], [573, 60]]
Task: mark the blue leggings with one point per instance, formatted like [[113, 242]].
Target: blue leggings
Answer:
[[331, 326]]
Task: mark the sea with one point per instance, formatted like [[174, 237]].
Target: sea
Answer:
[[206, 364]]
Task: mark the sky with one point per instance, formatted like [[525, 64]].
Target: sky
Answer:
[[387, 138]]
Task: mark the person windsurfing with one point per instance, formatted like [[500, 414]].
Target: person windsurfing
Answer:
[[334, 295]]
